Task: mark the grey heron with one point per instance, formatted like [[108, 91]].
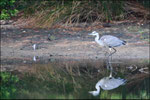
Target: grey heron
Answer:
[[107, 83], [108, 41]]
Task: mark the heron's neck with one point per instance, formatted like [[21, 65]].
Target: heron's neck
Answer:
[[97, 88], [95, 93], [97, 37], [98, 40]]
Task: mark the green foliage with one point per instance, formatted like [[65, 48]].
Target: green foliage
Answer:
[[7, 9], [8, 85], [145, 3]]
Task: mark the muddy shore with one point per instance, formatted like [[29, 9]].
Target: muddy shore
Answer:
[[16, 43]]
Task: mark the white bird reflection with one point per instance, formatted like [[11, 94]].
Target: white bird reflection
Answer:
[[107, 83], [34, 58]]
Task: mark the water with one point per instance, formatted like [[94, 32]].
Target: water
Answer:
[[73, 80]]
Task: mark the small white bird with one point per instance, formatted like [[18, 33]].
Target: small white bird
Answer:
[[107, 83], [34, 47]]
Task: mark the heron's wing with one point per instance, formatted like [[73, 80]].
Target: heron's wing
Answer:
[[112, 83], [111, 41]]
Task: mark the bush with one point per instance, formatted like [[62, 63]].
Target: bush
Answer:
[[7, 9], [8, 85]]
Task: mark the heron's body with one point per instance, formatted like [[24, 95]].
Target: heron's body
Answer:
[[107, 83], [111, 41], [108, 40]]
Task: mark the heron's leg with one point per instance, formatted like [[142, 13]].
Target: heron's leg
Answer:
[[109, 66], [106, 51], [110, 55], [107, 60], [107, 63], [110, 60], [112, 52]]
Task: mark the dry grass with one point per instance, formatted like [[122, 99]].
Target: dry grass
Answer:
[[46, 14]]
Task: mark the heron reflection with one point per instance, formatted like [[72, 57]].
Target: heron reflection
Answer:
[[107, 83]]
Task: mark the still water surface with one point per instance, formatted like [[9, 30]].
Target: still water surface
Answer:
[[74, 80]]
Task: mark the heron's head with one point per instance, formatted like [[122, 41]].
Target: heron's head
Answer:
[[94, 93], [94, 33]]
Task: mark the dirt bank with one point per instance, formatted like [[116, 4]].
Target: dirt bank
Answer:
[[16, 43]]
